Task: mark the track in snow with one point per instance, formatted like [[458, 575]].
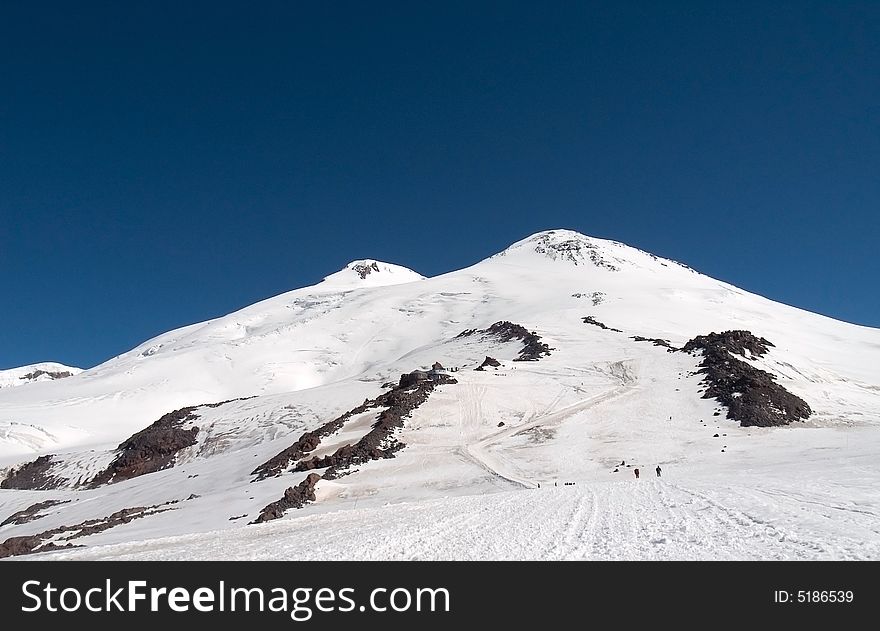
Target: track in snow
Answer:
[[622, 520], [496, 464]]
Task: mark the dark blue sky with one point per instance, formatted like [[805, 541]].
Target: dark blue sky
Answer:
[[165, 163]]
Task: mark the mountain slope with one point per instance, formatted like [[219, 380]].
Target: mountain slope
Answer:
[[609, 395], [36, 373], [314, 336]]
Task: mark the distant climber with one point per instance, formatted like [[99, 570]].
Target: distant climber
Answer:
[[636, 471], [658, 470]]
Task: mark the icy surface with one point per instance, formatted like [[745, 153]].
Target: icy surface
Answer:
[[466, 485], [35, 373]]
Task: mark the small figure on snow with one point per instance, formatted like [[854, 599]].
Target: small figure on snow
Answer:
[[636, 471], [658, 470]]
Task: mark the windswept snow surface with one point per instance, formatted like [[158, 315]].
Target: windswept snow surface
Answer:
[[35, 373], [467, 484], [653, 519]]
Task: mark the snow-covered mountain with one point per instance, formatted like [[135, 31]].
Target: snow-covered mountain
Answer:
[[546, 374], [33, 373]]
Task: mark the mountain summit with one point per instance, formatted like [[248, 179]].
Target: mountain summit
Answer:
[[369, 273], [478, 397], [575, 248], [36, 373]]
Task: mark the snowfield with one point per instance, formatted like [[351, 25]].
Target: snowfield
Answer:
[[651, 519], [529, 460], [36, 373]]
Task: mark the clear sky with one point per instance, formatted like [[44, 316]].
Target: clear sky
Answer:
[[163, 163]]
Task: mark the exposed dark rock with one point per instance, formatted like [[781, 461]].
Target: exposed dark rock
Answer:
[[294, 497], [595, 322], [655, 341], [306, 443], [219, 403], [31, 512], [575, 249], [533, 348], [596, 297], [155, 447], [751, 395], [151, 449], [500, 423], [60, 374], [33, 476], [734, 342], [379, 442], [15, 546], [489, 361], [396, 400], [437, 366], [123, 516], [363, 270]]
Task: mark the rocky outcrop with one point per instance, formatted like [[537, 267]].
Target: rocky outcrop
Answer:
[[489, 361], [595, 322], [306, 443], [364, 269], [33, 476], [734, 342], [655, 341], [596, 297], [575, 248], [397, 401], [40, 542], [31, 513], [751, 395], [151, 449], [294, 497], [52, 374], [379, 442], [155, 447], [504, 331], [16, 546]]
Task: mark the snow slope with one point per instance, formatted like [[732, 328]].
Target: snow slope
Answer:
[[466, 485], [35, 373], [654, 519]]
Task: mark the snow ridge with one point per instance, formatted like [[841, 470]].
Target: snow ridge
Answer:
[[529, 459], [34, 373], [369, 273]]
